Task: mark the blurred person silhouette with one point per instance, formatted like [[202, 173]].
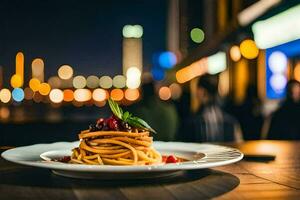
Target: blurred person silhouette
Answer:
[[161, 115], [284, 123], [211, 123]]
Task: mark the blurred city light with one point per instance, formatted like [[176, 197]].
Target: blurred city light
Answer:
[[20, 67], [132, 94], [18, 94], [133, 76], [158, 74], [197, 68], [65, 72], [176, 91], [37, 97], [54, 82], [16, 81], [279, 29], [56, 96], [249, 49], [28, 93], [216, 63], [34, 84], [82, 95], [105, 82], [117, 94], [278, 82], [164, 93], [235, 53], [92, 82], [79, 82], [197, 35], [119, 81], [99, 94], [68, 95], [132, 31], [4, 113], [278, 62], [44, 89], [37, 67], [255, 10], [297, 72], [5, 95], [167, 59]]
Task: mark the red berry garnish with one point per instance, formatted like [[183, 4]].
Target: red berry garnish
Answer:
[[171, 159], [113, 124]]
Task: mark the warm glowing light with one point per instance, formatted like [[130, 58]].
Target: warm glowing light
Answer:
[[105, 82], [249, 49], [20, 67], [132, 94], [119, 81], [79, 82], [92, 82], [82, 95], [18, 94], [197, 35], [278, 62], [16, 81], [132, 31], [117, 94], [297, 72], [164, 93], [235, 53], [34, 84], [197, 68], [37, 67], [56, 96], [54, 82], [37, 97], [216, 63], [68, 95], [133, 76], [167, 59], [28, 93], [65, 72], [99, 95], [4, 113], [5, 95], [176, 91], [44, 89]]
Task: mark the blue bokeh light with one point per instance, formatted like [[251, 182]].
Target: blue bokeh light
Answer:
[[158, 74], [18, 94], [167, 59]]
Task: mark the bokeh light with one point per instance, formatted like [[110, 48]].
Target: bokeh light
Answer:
[[133, 76], [20, 67], [37, 67], [235, 53], [119, 81], [18, 94], [132, 31], [68, 95], [5, 95], [249, 49], [99, 94], [37, 97], [297, 72], [105, 82], [79, 82], [132, 94], [28, 93], [117, 94], [176, 91], [164, 93], [65, 72], [158, 74], [82, 95], [92, 82], [278, 62], [34, 84], [44, 89], [167, 59], [16, 81], [278, 82], [56, 96], [4, 113], [197, 35], [55, 82]]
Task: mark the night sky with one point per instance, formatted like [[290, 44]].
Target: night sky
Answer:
[[84, 34]]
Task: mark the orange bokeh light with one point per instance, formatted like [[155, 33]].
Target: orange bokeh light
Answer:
[[132, 94], [68, 95], [164, 93], [117, 94]]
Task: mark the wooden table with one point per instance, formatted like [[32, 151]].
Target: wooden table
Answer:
[[278, 179]]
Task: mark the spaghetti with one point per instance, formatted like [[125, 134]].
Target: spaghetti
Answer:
[[115, 148]]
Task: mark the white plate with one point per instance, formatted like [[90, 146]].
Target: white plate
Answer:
[[200, 156]]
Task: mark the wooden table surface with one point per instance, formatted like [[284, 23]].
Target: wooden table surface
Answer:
[[278, 179]]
